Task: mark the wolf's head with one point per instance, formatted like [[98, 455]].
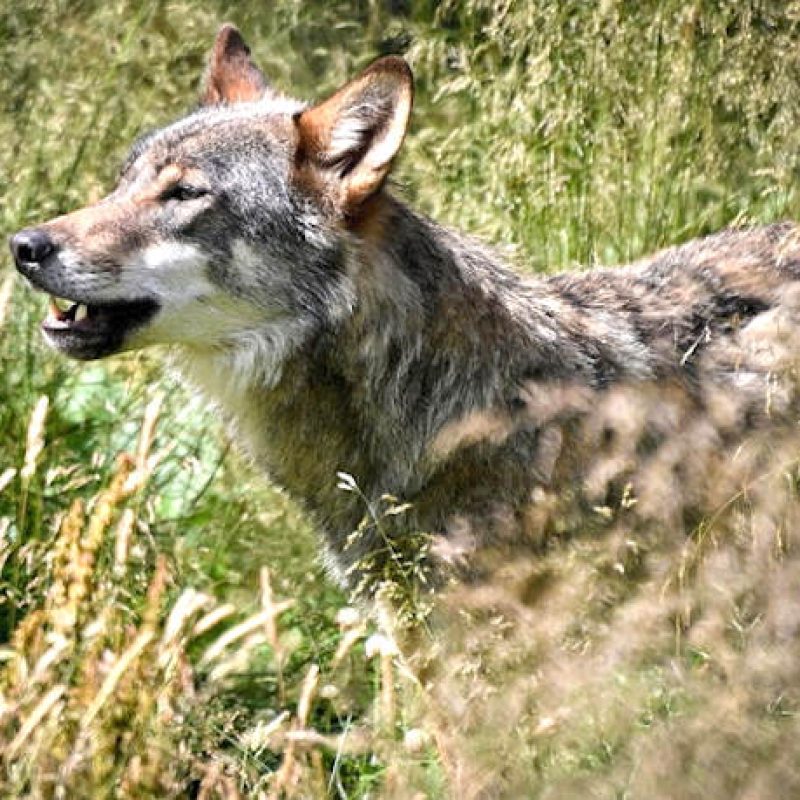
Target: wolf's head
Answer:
[[230, 223]]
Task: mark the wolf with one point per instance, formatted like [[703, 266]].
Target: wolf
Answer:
[[361, 351]]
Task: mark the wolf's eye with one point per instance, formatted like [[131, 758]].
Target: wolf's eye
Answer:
[[183, 191]]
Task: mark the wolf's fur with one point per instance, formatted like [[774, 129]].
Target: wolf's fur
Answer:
[[340, 331]]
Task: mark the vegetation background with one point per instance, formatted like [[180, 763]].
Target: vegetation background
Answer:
[[567, 133]]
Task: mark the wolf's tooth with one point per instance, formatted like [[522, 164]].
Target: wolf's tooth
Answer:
[[81, 312], [55, 309]]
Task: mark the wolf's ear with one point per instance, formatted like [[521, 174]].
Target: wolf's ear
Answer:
[[231, 76], [353, 136]]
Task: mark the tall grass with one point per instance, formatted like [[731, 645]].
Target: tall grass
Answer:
[[567, 133], [118, 681]]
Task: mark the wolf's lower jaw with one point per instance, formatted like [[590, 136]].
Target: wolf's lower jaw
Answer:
[[88, 332]]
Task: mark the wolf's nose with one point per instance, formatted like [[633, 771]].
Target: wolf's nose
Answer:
[[31, 246]]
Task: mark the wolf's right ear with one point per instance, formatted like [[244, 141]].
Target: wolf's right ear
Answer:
[[351, 138], [231, 76]]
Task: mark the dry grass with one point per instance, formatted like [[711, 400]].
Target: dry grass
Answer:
[[105, 692], [643, 642]]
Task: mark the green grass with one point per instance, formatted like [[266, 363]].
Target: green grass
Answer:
[[567, 133]]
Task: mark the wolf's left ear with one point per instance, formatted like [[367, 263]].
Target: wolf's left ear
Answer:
[[231, 76], [353, 136]]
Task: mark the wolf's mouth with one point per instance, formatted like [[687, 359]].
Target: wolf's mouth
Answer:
[[88, 331]]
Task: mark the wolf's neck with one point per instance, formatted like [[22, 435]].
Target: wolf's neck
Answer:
[[430, 337], [433, 337]]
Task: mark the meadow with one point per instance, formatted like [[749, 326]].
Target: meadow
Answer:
[[166, 629]]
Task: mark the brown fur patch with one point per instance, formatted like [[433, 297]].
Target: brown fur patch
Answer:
[[167, 178], [479, 426], [232, 77], [369, 221]]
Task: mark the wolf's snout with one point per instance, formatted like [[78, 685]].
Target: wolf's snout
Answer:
[[31, 246]]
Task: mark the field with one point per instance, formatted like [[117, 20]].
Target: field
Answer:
[[165, 627]]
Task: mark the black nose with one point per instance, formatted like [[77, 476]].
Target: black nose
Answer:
[[31, 246]]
